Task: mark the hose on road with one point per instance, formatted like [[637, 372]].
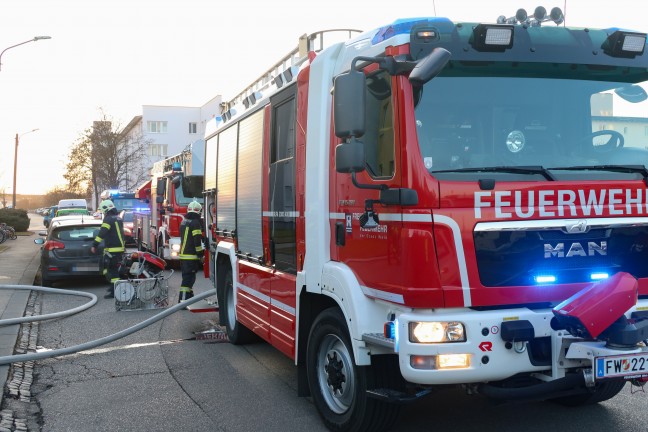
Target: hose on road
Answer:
[[91, 344]]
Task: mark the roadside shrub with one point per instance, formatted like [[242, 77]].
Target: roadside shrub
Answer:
[[17, 218]]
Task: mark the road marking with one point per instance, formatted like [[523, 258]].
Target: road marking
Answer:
[[117, 348]]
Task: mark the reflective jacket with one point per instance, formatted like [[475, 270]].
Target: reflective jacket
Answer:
[[111, 233], [191, 237]]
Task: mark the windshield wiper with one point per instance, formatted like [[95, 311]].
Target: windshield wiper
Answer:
[[531, 169], [614, 168]]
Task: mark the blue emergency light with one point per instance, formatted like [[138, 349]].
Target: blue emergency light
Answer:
[[176, 166], [543, 279]]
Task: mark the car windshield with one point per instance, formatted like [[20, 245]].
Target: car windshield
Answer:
[[127, 216], [78, 233], [572, 128]]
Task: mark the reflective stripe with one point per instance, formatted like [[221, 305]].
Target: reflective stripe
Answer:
[[185, 289], [188, 257], [98, 239], [105, 225], [196, 232], [184, 242], [114, 249], [121, 239]]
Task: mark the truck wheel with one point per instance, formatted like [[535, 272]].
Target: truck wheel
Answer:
[[603, 391], [237, 333], [338, 386]]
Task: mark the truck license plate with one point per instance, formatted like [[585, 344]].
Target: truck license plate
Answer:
[[631, 365]]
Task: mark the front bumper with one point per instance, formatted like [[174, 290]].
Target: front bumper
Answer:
[[549, 355]]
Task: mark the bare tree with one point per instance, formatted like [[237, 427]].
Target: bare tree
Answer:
[[107, 157]]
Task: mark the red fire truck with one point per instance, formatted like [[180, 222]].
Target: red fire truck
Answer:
[[436, 202], [175, 182]]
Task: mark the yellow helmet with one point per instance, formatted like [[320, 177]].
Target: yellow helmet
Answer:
[[106, 205], [194, 207]]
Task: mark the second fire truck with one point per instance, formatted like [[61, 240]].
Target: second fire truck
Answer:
[[175, 182], [439, 202]]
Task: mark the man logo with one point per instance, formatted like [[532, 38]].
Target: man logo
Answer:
[[577, 227], [575, 249]]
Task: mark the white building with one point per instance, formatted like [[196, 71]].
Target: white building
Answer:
[[167, 130]]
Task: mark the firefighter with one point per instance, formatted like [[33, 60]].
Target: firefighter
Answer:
[[112, 234], [191, 249]]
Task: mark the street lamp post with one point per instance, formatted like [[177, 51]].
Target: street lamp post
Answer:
[[36, 38], [13, 200]]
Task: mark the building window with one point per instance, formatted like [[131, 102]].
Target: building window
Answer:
[[156, 126], [157, 149], [193, 127]]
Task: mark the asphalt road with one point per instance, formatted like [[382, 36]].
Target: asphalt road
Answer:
[[163, 379]]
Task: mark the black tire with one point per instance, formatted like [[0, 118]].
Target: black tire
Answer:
[[601, 392], [338, 386], [237, 333]]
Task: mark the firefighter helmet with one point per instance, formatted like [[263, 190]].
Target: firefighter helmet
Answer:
[[106, 205], [194, 207]]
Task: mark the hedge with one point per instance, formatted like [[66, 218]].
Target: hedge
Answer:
[[16, 218]]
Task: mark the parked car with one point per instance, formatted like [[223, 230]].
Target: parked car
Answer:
[[65, 251], [127, 217], [48, 215]]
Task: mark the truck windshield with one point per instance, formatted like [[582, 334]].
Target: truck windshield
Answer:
[[564, 128], [181, 199]]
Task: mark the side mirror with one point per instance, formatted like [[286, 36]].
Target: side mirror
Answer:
[[39, 241], [161, 185], [350, 157], [349, 104], [429, 66]]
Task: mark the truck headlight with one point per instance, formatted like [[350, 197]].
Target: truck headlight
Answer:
[[436, 332], [175, 247]]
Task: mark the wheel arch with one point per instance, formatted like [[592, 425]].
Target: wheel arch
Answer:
[[225, 259]]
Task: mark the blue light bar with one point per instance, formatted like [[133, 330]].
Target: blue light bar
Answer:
[[176, 166], [404, 26], [544, 278], [599, 276]]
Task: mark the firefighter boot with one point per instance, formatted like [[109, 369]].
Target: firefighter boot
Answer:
[[111, 289], [185, 294]]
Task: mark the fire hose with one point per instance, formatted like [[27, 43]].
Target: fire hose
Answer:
[[87, 345]]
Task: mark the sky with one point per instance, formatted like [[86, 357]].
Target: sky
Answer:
[[115, 56]]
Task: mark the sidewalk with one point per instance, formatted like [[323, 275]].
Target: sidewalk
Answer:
[[19, 261]]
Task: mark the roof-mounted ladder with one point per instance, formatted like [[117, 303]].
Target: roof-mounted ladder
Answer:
[[314, 42]]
